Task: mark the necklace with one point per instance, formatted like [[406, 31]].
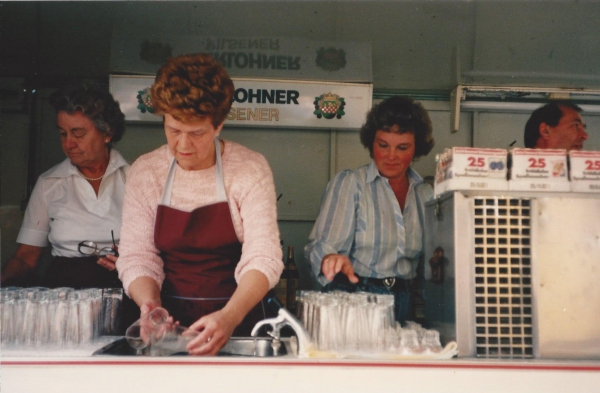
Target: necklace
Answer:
[[89, 178]]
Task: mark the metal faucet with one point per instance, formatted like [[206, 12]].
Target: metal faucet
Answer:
[[285, 318]]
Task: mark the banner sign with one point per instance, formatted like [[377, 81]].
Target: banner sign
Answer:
[[268, 58], [265, 103]]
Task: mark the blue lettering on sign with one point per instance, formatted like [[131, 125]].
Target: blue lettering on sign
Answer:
[[264, 96]]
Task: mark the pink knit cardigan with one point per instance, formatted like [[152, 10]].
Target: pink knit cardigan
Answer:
[[251, 194]]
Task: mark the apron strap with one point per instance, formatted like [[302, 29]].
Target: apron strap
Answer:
[[165, 199], [221, 196]]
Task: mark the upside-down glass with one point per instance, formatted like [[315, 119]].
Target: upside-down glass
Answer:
[[26, 317], [86, 317], [8, 296], [325, 313], [72, 336], [59, 312], [382, 321], [16, 313], [90, 306], [88, 247], [96, 295], [409, 341], [41, 334], [431, 341], [111, 311]]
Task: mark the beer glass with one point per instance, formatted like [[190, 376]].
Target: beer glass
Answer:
[[139, 333]]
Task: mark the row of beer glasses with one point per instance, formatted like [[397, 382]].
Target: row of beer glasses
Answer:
[[347, 322], [38, 317], [361, 322]]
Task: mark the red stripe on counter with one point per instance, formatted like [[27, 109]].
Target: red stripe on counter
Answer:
[[448, 365]]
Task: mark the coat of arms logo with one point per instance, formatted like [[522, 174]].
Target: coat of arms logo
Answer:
[[145, 101], [329, 106]]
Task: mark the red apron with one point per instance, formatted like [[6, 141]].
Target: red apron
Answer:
[[200, 250]]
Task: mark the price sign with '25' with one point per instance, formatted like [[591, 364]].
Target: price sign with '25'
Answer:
[[475, 162], [539, 170], [585, 165], [592, 165], [539, 164]]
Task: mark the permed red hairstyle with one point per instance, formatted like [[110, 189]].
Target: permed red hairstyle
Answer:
[[193, 87]]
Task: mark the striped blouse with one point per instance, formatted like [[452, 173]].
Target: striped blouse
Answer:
[[360, 217]]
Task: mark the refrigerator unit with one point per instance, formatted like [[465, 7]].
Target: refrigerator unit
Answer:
[[514, 274]]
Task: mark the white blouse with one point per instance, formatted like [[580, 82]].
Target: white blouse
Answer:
[[64, 210]]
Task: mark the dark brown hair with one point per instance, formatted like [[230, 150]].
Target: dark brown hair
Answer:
[[404, 113], [550, 114]]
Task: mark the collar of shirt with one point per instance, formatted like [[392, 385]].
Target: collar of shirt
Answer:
[[373, 174], [66, 169]]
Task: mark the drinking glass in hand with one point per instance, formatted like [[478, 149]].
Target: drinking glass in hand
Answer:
[[139, 333], [169, 338]]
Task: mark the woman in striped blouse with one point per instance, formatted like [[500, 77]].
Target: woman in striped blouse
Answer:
[[369, 233]]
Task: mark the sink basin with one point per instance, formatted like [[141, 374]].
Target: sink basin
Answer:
[[236, 346], [250, 346], [120, 347]]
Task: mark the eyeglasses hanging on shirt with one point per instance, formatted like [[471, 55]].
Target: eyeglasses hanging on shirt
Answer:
[[88, 247]]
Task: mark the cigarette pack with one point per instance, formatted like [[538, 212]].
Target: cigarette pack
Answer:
[[470, 168], [585, 171], [539, 170]]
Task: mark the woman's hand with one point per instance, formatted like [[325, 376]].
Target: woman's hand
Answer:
[[333, 264], [215, 329], [21, 265], [147, 325], [108, 262]]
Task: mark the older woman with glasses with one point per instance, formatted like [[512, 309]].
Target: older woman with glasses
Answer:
[[76, 206]]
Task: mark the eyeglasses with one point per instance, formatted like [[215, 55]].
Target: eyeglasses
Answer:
[[91, 248], [88, 247]]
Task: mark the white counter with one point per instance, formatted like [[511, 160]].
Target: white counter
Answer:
[[227, 374]]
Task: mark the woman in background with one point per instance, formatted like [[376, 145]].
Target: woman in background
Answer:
[[369, 233], [77, 200]]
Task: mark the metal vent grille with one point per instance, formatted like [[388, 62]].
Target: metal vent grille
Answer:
[[503, 306]]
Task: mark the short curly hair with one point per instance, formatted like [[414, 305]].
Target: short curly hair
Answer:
[[193, 87], [407, 115], [97, 105]]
